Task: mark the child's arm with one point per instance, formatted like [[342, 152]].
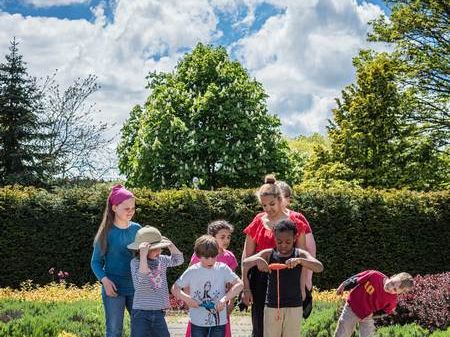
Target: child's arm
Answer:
[[249, 249], [306, 260], [143, 253], [236, 288], [348, 284], [259, 259], [176, 256], [181, 295]]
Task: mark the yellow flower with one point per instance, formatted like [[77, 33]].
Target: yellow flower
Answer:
[[53, 292]]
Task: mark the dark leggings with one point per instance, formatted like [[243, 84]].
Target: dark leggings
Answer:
[[258, 286]]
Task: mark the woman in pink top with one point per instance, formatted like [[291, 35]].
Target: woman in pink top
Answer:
[[221, 230]]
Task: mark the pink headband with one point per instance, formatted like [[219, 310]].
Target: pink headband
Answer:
[[119, 194]]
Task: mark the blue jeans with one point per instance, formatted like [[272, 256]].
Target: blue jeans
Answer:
[[114, 311], [148, 323], [205, 331]]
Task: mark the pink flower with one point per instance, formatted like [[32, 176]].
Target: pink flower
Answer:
[[51, 270]]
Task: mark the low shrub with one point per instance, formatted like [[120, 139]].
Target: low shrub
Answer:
[[439, 333], [427, 304], [58, 319], [323, 320], [409, 330]]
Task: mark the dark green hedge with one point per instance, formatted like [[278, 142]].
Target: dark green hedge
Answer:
[[354, 230]]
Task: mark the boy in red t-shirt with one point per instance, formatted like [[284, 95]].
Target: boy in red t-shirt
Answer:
[[372, 293]]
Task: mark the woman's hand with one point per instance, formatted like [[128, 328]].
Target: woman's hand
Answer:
[[110, 287], [247, 297]]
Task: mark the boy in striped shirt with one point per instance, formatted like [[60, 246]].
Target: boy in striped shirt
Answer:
[[148, 271]]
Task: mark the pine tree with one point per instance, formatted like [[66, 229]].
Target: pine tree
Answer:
[[21, 156]]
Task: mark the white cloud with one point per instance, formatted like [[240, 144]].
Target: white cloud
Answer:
[[304, 58], [119, 53], [52, 3]]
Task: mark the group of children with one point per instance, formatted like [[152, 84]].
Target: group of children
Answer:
[[209, 285]]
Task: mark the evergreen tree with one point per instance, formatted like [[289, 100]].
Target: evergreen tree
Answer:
[[371, 141], [21, 157]]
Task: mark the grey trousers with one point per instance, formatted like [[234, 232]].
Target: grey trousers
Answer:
[[347, 323]]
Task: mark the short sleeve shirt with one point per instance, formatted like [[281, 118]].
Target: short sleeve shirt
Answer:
[[207, 287], [264, 237], [369, 295]]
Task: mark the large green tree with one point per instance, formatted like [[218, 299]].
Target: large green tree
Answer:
[[206, 119], [22, 159], [300, 150], [419, 33], [371, 143]]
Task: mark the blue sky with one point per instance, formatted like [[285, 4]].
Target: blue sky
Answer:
[[300, 50]]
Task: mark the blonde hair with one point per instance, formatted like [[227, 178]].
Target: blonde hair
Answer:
[[269, 188], [406, 280]]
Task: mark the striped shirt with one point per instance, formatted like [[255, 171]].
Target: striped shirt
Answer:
[[151, 291]]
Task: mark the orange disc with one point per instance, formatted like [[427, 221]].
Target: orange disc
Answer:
[[277, 266]]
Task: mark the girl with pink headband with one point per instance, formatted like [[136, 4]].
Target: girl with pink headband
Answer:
[[111, 258]]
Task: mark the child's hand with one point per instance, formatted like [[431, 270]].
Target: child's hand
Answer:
[[262, 265], [166, 240], [144, 247], [221, 304], [293, 262], [230, 307], [191, 303], [110, 287]]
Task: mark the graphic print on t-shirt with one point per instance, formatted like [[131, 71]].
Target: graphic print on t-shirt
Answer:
[[369, 288], [208, 301], [155, 277]]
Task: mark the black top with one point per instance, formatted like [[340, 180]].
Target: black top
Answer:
[[290, 294]]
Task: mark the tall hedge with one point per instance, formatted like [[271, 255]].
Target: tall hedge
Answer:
[[391, 231]]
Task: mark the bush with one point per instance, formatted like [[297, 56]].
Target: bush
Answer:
[[410, 330], [322, 321], [355, 230], [81, 319], [427, 304]]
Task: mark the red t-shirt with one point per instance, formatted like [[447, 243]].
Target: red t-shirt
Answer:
[[369, 295], [264, 237]]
